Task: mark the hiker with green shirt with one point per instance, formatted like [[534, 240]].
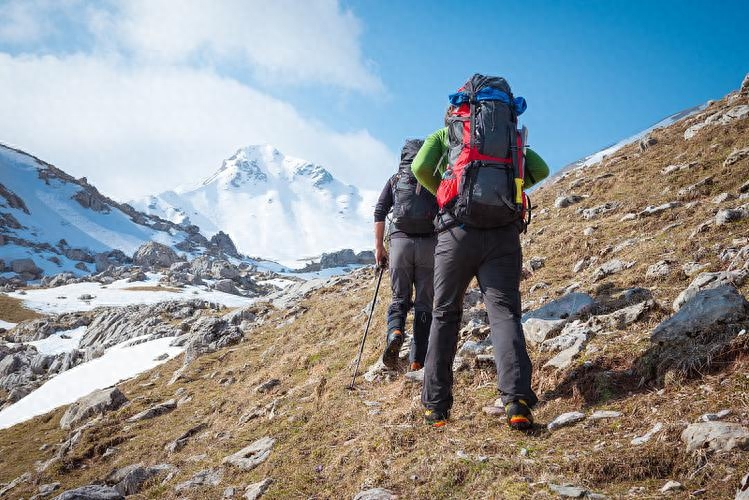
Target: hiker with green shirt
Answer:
[[477, 169]]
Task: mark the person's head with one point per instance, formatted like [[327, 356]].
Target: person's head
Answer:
[[448, 112]]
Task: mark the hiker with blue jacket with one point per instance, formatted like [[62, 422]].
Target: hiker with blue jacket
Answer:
[[478, 167], [411, 259]]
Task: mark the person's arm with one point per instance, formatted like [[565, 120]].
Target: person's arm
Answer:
[[429, 162], [536, 168], [383, 206]]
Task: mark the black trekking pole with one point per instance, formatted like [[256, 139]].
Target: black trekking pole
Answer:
[[366, 330]]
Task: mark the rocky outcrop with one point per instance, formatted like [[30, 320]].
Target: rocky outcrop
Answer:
[[715, 436], [253, 455], [96, 403], [224, 244], [154, 254], [129, 480]]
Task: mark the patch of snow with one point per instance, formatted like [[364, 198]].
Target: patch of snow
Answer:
[[7, 325], [60, 342], [64, 298], [121, 362]]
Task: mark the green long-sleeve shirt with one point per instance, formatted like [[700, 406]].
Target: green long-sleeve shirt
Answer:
[[431, 161]]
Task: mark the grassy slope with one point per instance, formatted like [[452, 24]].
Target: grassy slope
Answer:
[[330, 444]]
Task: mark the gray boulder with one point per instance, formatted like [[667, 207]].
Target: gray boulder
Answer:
[[97, 402], [730, 215], [256, 490], [226, 286], [25, 266], [743, 491], [736, 156], [566, 201], [706, 281], [207, 477], [721, 305], [91, 492], [224, 243], [594, 212], [536, 330], [253, 455], [565, 419], [569, 306], [715, 436], [611, 267], [375, 494], [154, 254], [129, 480], [154, 411]]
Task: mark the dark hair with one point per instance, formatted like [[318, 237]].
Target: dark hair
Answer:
[[448, 112]]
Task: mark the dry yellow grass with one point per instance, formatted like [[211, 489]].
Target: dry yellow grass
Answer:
[[13, 310], [330, 444]]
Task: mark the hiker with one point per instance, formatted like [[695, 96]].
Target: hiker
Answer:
[[411, 260], [479, 226]]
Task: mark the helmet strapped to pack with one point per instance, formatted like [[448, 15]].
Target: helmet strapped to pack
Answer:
[[414, 207], [483, 183]]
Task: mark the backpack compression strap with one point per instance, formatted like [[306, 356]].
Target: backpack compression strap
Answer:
[[518, 164]]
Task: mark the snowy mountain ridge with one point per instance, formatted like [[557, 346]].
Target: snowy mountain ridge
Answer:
[[271, 205]]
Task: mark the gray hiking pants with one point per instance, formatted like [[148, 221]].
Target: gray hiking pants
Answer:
[[494, 257], [412, 268]]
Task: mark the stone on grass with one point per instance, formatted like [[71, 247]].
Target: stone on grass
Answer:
[[256, 490], [743, 491], [611, 267], [604, 414], [566, 201], [536, 330], [715, 436], [704, 281], [207, 477], [568, 306], [715, 306], [253, 455], [672, 486], [47, 489], [712, 417], [639, 440], [91, 492], [95, 403], [416, 376], [565, 419], [568, 490], [129, 480], [268, 385], [375, 494], [659, 269], [154, 411]]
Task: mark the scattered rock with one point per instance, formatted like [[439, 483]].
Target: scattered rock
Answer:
[[594, 212], [568, 490], [417, 376], [604, 414], [154, 254], [706, 281], [129, 480], [256, 490], [715, 436], [5, 488], [721, 305], [729, 215], [207, 477], [611, 267], [91, 492], [97, 402], [655, 210], [375, 494], [566, 201], [268, 385], [253, 455], [537, 330], [743, 491], [48, 489], [569, 306], [659, 269], [712, 417], [640, 440], [26, 266], [671, 486], [736, 156], [646, 142], [154, 411], [181, 441], [565, 419], [537, 263]]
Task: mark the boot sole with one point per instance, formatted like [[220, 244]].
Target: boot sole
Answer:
[[390, 358]]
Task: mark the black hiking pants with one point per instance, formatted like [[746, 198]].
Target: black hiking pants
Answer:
[[412, 268], [494, 257]]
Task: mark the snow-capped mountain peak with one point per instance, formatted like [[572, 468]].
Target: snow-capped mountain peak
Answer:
[[272, 204]]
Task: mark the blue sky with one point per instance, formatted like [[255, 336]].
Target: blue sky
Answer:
[[141, 96]]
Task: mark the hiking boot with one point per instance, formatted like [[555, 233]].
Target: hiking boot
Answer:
[[392, 350], [416, 366], [435, 418], [519, 415]]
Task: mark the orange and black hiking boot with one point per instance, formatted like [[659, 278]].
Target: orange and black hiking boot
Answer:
[[435, 418], [416, 366], [519, 415], [392, 350]]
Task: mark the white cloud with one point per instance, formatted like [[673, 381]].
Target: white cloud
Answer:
[[136, 130], [20, 23]]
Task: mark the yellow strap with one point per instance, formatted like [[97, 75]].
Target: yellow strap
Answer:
[[519, 190]]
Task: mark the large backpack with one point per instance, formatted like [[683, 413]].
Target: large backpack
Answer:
[[483, 183], [414, 207]]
